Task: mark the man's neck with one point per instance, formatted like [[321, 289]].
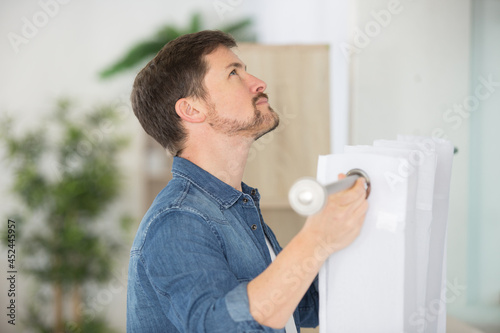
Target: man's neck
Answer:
[[224, 159]]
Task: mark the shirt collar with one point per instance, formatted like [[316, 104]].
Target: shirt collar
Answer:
[[225, 194]]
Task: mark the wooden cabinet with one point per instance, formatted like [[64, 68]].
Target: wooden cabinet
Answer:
[[297, 84]]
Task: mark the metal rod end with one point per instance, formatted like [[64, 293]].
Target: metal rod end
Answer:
[[361, 173]]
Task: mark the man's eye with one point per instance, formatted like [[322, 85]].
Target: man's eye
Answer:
[[233, 72]]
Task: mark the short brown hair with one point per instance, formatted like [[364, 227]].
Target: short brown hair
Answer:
[[176, 72]]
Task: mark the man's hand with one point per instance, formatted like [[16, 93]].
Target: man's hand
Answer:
[[341, 220]]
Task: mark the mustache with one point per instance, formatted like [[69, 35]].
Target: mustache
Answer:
[[259, 96]]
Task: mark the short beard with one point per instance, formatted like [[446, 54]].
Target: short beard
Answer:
[[253, 128]]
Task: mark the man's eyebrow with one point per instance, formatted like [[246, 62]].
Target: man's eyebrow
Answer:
[[237, 65]]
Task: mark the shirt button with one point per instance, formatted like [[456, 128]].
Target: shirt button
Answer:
[[254, 227], [245, 200], [253, 192]]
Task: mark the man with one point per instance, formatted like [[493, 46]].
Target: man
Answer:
[[203, 259]]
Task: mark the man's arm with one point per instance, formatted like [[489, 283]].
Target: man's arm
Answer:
[[182, 270], [276, 292]]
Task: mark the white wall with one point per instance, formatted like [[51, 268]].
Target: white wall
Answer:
[[404, 79], [418, 75]]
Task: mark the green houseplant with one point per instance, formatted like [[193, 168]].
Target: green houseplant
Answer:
[[65, 181]]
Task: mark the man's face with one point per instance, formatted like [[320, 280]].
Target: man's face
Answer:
[[237, 104]]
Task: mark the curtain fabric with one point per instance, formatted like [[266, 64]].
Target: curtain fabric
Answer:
[[392, 277]]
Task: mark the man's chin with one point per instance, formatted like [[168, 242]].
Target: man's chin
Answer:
[[276, 122]]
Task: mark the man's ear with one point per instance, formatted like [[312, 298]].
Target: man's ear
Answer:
[[187, 111]]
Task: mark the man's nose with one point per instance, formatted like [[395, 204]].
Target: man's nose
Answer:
[[257, 85]]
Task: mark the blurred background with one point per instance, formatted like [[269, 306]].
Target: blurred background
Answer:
[[377, 69]]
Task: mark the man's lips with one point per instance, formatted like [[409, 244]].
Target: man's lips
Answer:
[[262, 100]]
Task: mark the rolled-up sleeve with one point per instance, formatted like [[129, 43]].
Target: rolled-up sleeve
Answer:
[[309, 306], [184, 260]]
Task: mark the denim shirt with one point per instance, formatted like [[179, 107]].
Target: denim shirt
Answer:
[[195, 251]]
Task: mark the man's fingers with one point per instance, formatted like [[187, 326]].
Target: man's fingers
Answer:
[[348, 196], [360, 208]]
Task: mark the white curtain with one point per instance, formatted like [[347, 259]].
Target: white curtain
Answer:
[[392, 278]]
